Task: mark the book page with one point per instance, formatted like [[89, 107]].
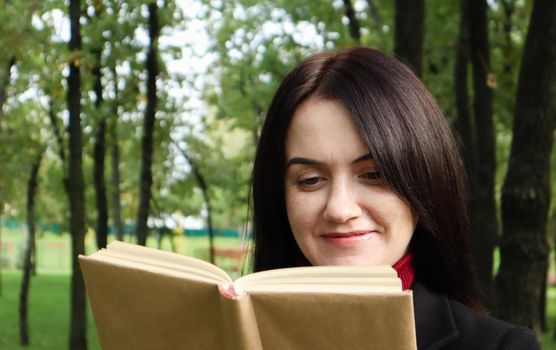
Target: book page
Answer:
[[333, 278], [155, 259], [322, 288]]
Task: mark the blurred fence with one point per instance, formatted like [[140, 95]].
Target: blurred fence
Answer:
[[53, 245], [128, 229]]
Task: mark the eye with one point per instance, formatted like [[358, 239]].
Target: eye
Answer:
[[310, 181], [372, 177]]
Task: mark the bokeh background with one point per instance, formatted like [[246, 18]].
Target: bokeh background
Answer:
[[137, 120]]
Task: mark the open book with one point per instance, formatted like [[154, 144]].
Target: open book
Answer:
[[144, 298]]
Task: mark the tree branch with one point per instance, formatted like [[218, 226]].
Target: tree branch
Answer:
[[204, 188]]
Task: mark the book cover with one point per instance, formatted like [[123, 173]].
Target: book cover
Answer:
[[143, 298]]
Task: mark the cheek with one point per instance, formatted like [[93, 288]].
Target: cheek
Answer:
[[407, 216], [405, 220], [302, 212], [395, 214]]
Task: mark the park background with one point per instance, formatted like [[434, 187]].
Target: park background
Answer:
[[137, 120]]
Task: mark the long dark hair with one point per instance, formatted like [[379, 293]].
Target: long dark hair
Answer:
[[412, 146]]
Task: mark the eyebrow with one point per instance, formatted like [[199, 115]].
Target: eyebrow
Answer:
[[308, 161]]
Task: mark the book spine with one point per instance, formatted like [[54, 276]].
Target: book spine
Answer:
[[240, 325]]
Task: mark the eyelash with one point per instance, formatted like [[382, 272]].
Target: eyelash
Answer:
[[310, 181], [372, 177]]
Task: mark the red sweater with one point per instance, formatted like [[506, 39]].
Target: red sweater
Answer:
[[406, 270]]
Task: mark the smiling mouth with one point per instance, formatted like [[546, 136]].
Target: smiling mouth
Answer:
[[347, 239]]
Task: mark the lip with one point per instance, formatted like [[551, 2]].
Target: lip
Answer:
[[347, 239]]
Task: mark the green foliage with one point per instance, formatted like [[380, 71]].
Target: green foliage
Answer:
[[20, 144], [252, 45], [441, 33]]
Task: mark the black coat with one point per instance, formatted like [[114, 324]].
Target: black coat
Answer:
[[445, 324]]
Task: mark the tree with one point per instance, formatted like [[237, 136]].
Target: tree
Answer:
[[354, 27], [15, 27], [123, 72], [409, 34], [526, 190], [463, 122], [76, 193], [100, 140], [202, 183], [477, 133], [115, 161], [148, 125], [29, 249], [4, 82]]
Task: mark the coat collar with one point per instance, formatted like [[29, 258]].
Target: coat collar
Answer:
[[434, 322]]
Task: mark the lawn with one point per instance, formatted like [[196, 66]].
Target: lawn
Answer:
[[48, 313], [547, 340]]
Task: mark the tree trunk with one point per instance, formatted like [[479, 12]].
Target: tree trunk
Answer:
[[99, 155], [526, 191], [100, 185], [483, 205], [463, 123], [115, 162], [542, 301], [115, 165], [148, 127], [204, 189], [57, 132], [354, 28], [409, 33], [4, 82], [30, 247], [508, 7], [76, 194]]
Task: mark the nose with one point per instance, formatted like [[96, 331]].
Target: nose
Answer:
[[342, 205]]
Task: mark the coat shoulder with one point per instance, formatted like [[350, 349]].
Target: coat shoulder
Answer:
[[480, 331], [445, 324]]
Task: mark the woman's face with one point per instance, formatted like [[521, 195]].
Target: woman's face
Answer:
[[338, 208]]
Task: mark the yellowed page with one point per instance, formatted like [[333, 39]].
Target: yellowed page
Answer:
[[365, 274], [138, 309], [240, 329], [335, 321], [157, 257]]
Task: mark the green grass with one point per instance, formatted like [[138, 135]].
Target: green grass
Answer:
[[48, 313], [547, 339]]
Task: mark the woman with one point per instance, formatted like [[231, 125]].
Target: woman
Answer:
[[356, 165]]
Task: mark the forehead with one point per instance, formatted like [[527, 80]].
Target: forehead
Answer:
[[323, 129]]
